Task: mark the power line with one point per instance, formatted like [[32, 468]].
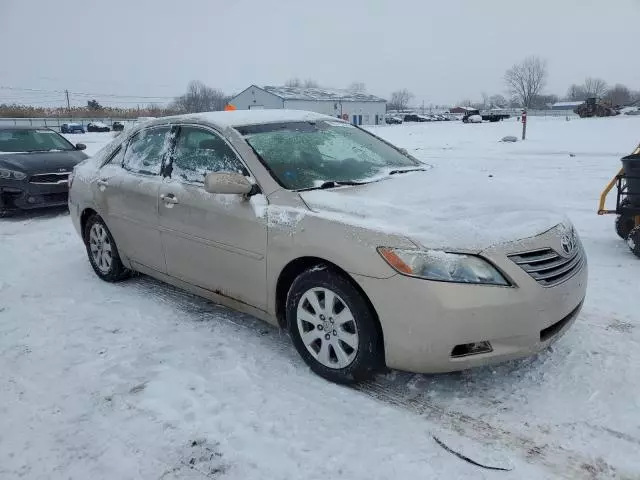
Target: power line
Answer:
[[6, 87], [76, 79]]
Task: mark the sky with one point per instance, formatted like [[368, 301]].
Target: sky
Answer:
[[126, 52]]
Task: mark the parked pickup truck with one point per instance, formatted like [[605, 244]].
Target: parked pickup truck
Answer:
[[487, 116]]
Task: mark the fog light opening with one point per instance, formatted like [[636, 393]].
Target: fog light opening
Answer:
[[475, 348]]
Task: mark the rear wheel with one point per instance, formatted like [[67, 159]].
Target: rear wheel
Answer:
[[633, 240], [333, 327], [102, 251]]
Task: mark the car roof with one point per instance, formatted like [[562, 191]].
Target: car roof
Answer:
[[238, 118]]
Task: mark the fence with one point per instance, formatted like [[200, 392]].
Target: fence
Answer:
[[55, 122], [516, 112]]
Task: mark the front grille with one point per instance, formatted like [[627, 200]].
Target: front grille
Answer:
[[55, 197], [548, 267], [48, 178]]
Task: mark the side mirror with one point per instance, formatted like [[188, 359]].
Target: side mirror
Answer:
[[227, 182], [80, 146]]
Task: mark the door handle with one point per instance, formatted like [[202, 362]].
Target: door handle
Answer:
[[170, 198]]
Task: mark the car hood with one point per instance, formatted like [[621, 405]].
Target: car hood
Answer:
[[435, 210], [42, 162]]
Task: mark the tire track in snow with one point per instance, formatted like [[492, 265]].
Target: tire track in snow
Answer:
[[563, 462], [394, 390]]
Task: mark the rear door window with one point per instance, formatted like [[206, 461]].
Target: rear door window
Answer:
[[147, 149]]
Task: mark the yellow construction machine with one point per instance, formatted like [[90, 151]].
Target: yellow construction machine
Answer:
[[627, 183]]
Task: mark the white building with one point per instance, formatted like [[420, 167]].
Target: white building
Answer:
[[565, 105], [358, 108]]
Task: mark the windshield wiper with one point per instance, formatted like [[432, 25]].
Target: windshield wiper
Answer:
[[396, 172], [331, 184]]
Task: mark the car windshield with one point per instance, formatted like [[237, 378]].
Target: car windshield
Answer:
[[36, 140], [303, 155]]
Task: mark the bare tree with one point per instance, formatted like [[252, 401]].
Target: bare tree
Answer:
[[465, 103], [543, 101], [576, 93], [200, 98], [618, 95], [595, 87], [485, 100], [400, 99], [527, 79], [497, 101], [357, 87], [293, 82], [310, 83]]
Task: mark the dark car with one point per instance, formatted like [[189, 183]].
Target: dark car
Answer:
[[117, 126], [393, 120], [35, 164], [71, 128], [412, 117], [97, 127]]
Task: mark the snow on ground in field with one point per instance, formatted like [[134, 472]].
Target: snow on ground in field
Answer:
[[139, 380]]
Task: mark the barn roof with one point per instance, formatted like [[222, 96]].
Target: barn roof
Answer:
[[316, 93]]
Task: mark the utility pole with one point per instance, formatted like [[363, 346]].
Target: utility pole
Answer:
[[66, 92]]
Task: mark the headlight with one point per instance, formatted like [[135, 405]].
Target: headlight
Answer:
[[12, 174], [442, 266]]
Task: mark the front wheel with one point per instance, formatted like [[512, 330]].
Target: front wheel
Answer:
[[102, 251], [624, 225], [633, 240], [332, 327]]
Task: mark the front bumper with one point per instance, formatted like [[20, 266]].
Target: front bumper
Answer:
[[424, 321], [27, 196]]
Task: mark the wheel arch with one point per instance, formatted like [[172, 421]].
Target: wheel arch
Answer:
[[84, 217], [295, 267]]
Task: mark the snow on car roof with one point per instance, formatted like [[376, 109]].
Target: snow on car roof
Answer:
[[237, 118]]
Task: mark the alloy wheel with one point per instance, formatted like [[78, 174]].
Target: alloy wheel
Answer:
[[101, 248], [327, 328]]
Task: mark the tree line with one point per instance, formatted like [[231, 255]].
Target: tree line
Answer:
[[525, 83], [198, 97]]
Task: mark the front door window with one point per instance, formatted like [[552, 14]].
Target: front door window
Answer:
[[199, 152]]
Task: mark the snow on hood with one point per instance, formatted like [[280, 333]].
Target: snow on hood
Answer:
[[437, 210]]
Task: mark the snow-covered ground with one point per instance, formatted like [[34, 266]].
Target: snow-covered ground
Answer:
[[140, 380]]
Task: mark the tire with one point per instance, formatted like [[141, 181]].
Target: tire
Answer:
[[624, 225], [333, 359], [633, 240], [102, 251]]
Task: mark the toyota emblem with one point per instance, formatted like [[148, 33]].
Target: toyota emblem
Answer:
[[568, 243]]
